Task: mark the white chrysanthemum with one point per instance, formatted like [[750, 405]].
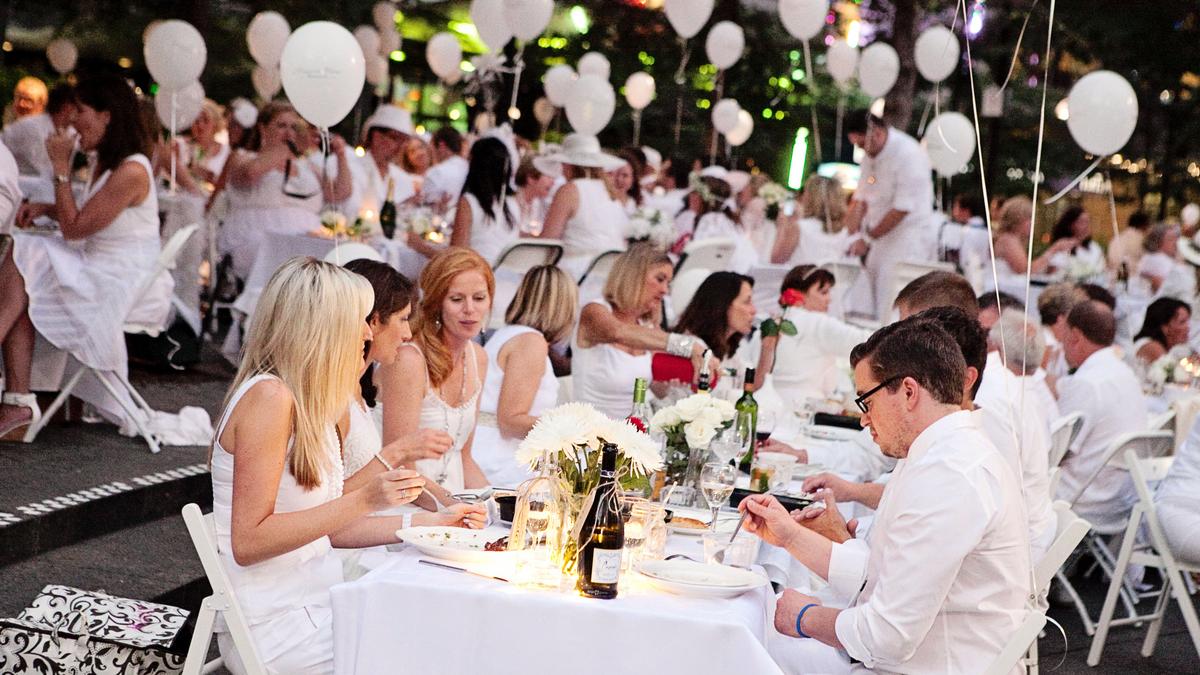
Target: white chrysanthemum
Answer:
[[558, 430], [636, 446]]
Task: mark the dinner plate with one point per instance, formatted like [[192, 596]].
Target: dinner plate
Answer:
[[829, 433], [453, 543], [802, 471], [687, 577], [726, 522]]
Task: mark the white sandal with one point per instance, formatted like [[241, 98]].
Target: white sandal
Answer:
[[16, 430]]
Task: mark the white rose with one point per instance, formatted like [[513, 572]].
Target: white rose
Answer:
[[725, 409], [698, 434], [667, 417], [691, 406], [709, 417]]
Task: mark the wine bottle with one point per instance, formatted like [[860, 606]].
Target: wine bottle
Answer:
[[704, 382], [639, 416], [746, 419], [387, 212], [603, 534]]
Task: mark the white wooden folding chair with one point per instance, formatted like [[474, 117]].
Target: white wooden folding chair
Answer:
[[1063, 432], [1146, 445], [845, 274], [1163, 422], [908, 271], [706, 254], [117, 385], [591, 282], [527, 253], [1154, 553], [767, 280], [1017, 645], [1070, 530], [222, 602]]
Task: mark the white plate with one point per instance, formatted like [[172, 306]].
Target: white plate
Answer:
[[726, 522], [453, 543], [685, 577], [802, 471], [829, 433]]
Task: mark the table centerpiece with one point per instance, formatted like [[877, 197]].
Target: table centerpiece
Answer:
[[688, 427]]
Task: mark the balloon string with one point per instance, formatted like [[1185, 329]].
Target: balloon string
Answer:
[[172, 147], [812, 89], [637, 127], [837, 137], [1078, 179], [925, 112], [518, 66], [326, 180], [1112, 205], [679, 80], [1012, 68]]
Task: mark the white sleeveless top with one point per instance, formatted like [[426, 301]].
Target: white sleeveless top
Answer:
[[489, 237], [362, 440], [458, 421], [603, 375], [289, 581], [597, 226], [492, 452]]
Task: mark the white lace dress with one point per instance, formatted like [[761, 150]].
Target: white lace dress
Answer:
[[286, 598], [458, 421]]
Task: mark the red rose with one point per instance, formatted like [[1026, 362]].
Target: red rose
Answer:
[[790, 298]]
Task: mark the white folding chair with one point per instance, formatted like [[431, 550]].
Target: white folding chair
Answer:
[[1070, 530], [527, 253], [706, 254], [117, 385], [1154, 553], [1163, 422], [1017, 645], [767, 280], [845, 274], [1146, 445], [908, 271], [223, 601], [341, 254], [1063, 432], [591, 283]]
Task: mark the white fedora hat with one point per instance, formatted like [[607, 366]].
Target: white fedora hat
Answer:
[[577, 150], [392, 117]]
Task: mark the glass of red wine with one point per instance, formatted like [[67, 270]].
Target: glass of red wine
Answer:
[[766, 426]]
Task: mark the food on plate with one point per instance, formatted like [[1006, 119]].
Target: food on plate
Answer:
[[681, 522], [500, 544]]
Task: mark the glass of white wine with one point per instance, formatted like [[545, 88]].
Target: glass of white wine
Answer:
[[716, 482]]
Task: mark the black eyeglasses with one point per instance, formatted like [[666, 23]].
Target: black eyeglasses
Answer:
[[861, 401]]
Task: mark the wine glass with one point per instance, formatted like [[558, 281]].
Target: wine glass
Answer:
[[766, 426], [728, 444], [716, 482]]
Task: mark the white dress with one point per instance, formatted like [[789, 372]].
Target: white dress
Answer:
[[264, 207], [718, 225], [458, 421], [816, 246], [806, 364], [489, 236], [80, 292], [597, 226], [493, 452], [286, 598], [362, 440], [603, 375]]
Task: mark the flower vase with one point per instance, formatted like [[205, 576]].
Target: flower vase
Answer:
[[566, 546], [684, 464]]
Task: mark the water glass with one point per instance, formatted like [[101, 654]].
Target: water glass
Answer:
[[743, 551], [729, 444]]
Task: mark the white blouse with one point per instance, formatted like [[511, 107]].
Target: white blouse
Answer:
[[806, 364], [603, 375]]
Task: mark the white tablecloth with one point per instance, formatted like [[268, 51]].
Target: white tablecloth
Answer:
[[408, 618]]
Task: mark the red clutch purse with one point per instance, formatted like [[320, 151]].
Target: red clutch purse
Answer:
[[668, 367]]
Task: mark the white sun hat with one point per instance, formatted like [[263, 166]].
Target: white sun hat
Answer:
[[738, 180], [392, 117], [577, 150]]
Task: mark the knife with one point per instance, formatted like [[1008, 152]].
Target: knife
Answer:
[[460, 569]]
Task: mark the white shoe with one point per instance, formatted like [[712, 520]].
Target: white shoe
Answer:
[[15, 431]]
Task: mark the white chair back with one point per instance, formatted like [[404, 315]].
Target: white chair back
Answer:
[[223, 601], [708, 254], [1143, 444], [1062, 433], [1163, 422], [526, 253], [166, 261], [341, 254], [1017, 645], [767, 280], [908, 271], [599, 268], [684, 287], [1070, 531]]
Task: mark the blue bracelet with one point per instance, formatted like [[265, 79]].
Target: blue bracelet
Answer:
[[800, 616]]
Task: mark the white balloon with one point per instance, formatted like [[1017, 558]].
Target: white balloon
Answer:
[[590, 105], [950, 142], [527, 19], [1104, 112], [488, 17], [175, 54], [594, 63], [725, 44], [455, 77], [936, 53], [62, 55], [377, 70], [188, 101], [367, 38], [150, 29], [389, 41], [266, 82], [639, 90], [543, 111], [444, 55], [725, 115], [1190, 215], [558, 83], [383, 15], [842, 60], [322, 70], [741, 133], [687, 17], [265, 36], [803, 18], [878, 67]]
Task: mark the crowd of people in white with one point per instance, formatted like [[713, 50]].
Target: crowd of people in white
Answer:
[[361, 391]]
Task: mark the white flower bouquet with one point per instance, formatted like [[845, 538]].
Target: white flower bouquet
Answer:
[[690, 425], [1169, 369], [335, 224], [652, 225], [773, 195], [1083, 270]]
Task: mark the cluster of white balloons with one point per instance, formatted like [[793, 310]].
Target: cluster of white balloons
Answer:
[[378, 42], [732, 121], [175, 56], [62, 55], [498, 21], [587, 95], [265, 37]]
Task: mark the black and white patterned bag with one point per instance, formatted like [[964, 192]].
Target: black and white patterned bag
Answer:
[[67, 630]]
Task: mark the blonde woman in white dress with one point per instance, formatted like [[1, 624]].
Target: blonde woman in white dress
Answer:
[[818, 234], [76, 289], [436, 379], [279, 501], [583, 213]]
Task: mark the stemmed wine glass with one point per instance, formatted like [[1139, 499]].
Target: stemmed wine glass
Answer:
[[716, 482], [729, 444], [766, 426]]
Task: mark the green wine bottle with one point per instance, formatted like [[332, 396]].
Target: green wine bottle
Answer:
[[387, 212], [603, 534], [746, 419]]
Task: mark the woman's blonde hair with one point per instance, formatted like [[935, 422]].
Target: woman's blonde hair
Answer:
[[822, 199], [307, 331], [215, 112], [435, 286], [626, 282], [1015, 211], [547, 301]]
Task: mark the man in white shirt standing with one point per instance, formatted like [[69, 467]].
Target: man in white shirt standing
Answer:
[[26, 137], [948, 572], [388, 130], [893, 206], [1107, 392], [444, 180]]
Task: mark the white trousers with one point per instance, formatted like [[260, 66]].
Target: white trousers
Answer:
[[1181, 524]]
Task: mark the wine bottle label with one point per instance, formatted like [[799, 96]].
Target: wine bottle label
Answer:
[[606, 565]]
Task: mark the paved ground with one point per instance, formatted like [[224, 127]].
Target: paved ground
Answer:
[[131, 541]]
